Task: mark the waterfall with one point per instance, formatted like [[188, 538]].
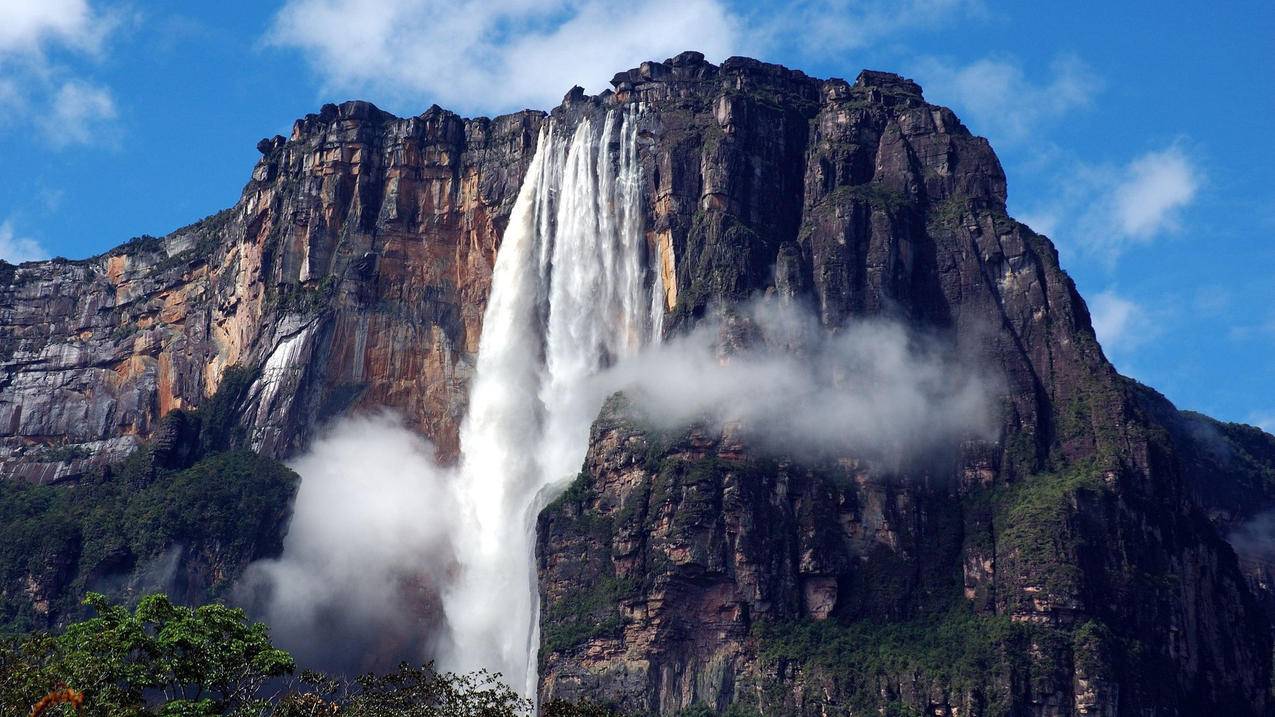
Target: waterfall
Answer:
[[570, 294]]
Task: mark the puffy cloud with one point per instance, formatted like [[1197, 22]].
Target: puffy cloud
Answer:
[[40, 46], [501, 55], [376, 553], [81, 113], [1262, 328], [15, 249], [876, 388], [1121, 324], [825, 27], [997, 98], [1153, 190], [368, 547], [482, 55], [27, 27], [1104, 210]]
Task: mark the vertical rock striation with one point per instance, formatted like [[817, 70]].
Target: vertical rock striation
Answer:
[[1068, 568], [352, 272]]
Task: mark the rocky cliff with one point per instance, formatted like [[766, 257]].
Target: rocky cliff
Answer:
[[1078, 564], [352, 272]]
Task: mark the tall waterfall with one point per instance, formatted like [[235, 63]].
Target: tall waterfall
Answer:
[[571, 292]]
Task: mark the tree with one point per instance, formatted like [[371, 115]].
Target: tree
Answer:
[[166, 660], [181, 661], [409, 691]]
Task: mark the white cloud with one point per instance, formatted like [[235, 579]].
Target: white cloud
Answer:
[[43, 46], [1120, 323], [1104, 210], [825, 27], [876, 389], [9, 92], [1264, 421], [28, 26], [494, 55], [378, 534], [81, 113], [1155, 187], [996, 97], [1260, 329], [15, 249], [500, 55], [1042, 220]]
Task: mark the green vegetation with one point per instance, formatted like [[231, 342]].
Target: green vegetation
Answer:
[[1021, 452], [1245, 452], [576, 494], [579, 617], [873, 194], [217, 420], [774, 98], [200, 495], [963, 650], [410, 691], [562, 708], [306, 298], [66, 538], [164, 660], [1092, 644], [1032, 518], [950, 212], [63, 454], [125, 329], [204, 661], [729, 255], [209, 233], [143, 244]]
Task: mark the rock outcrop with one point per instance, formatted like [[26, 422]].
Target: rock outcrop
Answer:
[[1077, 565], [352, 272], [1068, 568]]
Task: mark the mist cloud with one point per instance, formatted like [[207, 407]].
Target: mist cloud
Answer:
[[1254, 540], [876, 388], [367, 550], [17, 249]]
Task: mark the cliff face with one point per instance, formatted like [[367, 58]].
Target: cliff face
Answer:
[[1077, 565], [352, 272]]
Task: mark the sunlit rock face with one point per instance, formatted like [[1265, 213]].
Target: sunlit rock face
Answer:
[[353, 272], [1078, 563]]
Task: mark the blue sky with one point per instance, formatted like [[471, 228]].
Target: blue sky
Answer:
[[1139, 137]]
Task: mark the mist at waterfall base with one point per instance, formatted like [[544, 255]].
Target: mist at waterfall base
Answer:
[[367, 552], [378, 539]]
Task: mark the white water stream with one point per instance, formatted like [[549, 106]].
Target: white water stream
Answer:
[[571, 293]]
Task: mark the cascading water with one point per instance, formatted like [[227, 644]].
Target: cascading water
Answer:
[[570, 294]]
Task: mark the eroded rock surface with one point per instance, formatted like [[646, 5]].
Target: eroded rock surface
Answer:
[[353, 272], [1069, 567]]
